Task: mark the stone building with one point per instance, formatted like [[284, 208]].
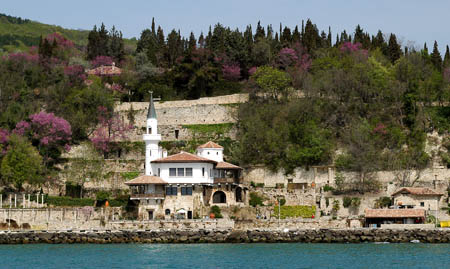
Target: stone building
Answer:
[[418, 198], [184, 185]]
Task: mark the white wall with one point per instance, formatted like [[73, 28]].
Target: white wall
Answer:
[[197, 176], [212, 154]]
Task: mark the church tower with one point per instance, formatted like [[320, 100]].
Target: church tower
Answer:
[[151, 138]]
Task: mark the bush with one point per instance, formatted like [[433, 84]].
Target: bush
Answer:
[[383, 202], [255, 199], [347, 202], [102, 195], [327, 188], [68, 201], [295, 211], [282, 201], [216, 211], [260, 185], [351, 202]]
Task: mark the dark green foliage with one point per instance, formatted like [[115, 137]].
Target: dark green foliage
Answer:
[[216, 211], [256, 199], [102, 195], [327, 188], [68, 201], [383, 202], [436, 58], [353, 202]]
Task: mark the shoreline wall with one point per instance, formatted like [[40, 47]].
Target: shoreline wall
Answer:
[[228, 236]]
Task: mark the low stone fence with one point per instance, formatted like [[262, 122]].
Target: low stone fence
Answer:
[[172, 224], [408, 226], [57, 218], [228, 236], [289, 224]]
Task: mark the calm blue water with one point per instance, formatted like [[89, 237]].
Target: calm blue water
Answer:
[[226, 256]]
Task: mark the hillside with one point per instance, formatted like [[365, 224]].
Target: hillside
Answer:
[[17, 33]]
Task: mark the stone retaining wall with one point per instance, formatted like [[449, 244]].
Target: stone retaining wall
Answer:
[[227, 236]]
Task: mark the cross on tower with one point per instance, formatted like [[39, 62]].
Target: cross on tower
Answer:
[[154, 99]]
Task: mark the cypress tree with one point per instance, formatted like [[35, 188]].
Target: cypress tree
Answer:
[[394, 49], [259, 31], [447, 58], [296, 35], [192, 42], [93, 44], [425, 49], [153, 27], [436, 57], [201, 41], [329, 37], [359, 35]]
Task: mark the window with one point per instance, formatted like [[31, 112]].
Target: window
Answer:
[[203, 171], [217, 153], [189, 172], [422, 204], [171, 190], [180, 172], [208, 152], [172, 172], [186, 190], [167, 212], [176, 133], [159, 172]]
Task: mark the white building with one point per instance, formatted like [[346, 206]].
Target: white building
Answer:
[[183, 185]]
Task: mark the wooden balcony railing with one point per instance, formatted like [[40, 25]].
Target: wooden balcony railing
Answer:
[[230, 180], [159, 195]]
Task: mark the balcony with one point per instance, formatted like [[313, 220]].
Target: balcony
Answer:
[[137, 196], [229, 180]]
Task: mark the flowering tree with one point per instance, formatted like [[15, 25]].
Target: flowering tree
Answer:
[[75, 73], [101, 60], [49, 133], [111, 129], [231, 72]]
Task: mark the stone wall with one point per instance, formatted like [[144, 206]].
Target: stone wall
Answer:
[[172, 115], [229, 236]]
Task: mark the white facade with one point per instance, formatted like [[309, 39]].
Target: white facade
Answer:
[[215, 154], [202, 172]]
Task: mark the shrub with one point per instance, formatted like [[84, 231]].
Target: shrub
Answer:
[[255, 199], [383, 202], [295, 211], [68, 201], [282, 201], [260, 185], [216, 211], [347, 202], [130, 175], [102, 195], [327, 188]]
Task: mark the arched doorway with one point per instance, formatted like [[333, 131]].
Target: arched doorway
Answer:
[[219, 197], [238, 194]]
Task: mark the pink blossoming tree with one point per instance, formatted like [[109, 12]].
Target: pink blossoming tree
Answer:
[[231, 72], [111, 129], [50, 134], [101, 60]]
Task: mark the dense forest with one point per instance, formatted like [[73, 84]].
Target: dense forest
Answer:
[[359, 101]]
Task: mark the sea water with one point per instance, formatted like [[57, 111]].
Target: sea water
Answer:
[[286, 255]]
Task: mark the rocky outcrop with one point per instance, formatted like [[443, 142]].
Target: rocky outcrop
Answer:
[[227, 236]]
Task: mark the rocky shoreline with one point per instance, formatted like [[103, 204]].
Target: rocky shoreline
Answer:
[[227, 236]]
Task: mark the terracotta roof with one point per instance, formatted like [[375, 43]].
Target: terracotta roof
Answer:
[[210, 145], [225, 165], [105, 70], [417, 191], [183, 157], [395, 213], [142, 180]]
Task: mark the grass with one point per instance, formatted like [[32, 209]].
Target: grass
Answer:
[[295, 211]]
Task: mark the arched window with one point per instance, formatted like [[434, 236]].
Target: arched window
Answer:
[[167, 212], [219, 197]]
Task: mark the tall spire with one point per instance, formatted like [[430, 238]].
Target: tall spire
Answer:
[[151, 108]]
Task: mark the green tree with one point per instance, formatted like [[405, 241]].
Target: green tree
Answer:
[[272, 82], [22, 163], [394, 50], [436, 58], [446, 62]]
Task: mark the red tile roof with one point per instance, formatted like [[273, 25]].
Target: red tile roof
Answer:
[[184, 157], [225, 165], [210, 145], [142, 180], [105, 70], [395, 213], [417, 191]]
